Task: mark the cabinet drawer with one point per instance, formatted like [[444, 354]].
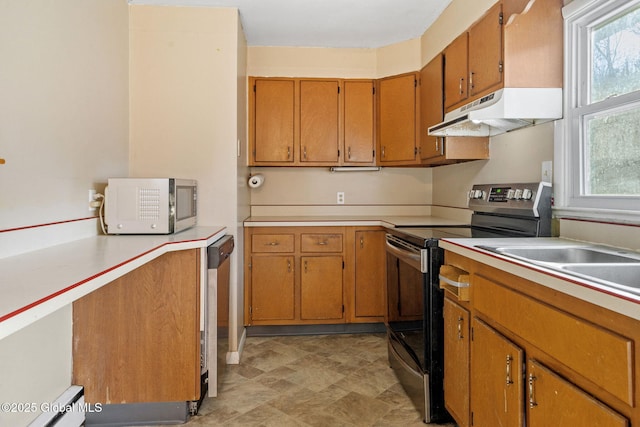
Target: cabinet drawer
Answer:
[[310, 242], [595, 353], [272, 242]]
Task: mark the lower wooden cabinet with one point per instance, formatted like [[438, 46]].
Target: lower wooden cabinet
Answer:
[[273, 294], [552, 400], [321, 288], [536, 357], [456, 363], [496, 378], [369, 303], [137, 339], [314, 275]]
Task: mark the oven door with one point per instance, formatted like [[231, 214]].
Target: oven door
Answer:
[[415, 324], [406, 298]]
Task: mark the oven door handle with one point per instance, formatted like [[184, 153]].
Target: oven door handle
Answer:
[[405, 252]]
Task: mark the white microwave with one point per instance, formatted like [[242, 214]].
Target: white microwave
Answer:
[[150, 205]]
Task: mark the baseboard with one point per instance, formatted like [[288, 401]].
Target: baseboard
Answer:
[[342, 328]]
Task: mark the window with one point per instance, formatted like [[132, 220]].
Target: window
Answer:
[[600, 143]]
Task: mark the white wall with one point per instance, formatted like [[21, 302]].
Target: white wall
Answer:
[[187, 84], [63, 131], [63, 108]]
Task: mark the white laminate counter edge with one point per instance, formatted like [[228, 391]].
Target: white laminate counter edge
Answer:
[[591, 292], [45, 299]]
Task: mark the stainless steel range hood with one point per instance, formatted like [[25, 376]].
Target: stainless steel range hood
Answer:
[[502, 111]]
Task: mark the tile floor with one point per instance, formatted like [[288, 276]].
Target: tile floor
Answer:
[[316, 380]]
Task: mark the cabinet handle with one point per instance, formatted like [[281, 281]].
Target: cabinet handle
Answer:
[[509, 359], [289, 266], [288, 153], [460, 85], [273, 243], [305, 266], [437, 141], [323, 243], [361, 242], [304, 153], [460, 320], [532, 399], [383, 147], [471, 79], [349, 153]]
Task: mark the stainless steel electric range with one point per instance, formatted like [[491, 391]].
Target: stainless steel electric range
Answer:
[[414, 323]]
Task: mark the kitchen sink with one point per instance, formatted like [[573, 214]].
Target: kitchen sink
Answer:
[[612, 268], [566, 254], [625, 276]]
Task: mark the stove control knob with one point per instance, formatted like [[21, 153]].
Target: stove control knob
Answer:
[[511, 194], [476, 194], [527, 194], [518, 194]]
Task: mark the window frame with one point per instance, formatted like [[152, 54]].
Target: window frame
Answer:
[[579, 17]]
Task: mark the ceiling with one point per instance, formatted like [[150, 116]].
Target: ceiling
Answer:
[[327, 23]]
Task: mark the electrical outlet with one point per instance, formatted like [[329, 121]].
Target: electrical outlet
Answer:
[[92, 198], [547, 171], [340, 198]]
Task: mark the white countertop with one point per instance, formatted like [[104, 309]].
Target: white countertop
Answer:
[[615, 300], [37, 283], [390, 221]]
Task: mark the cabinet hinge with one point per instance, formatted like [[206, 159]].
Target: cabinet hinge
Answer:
[[250, 263], [471, 334], [415, 151], [338, 153], [471, 418], [254, 88], [415, 82], [342, 309], [374, 154], [343, 265], [373, 90], [338, 89], [501, 18]]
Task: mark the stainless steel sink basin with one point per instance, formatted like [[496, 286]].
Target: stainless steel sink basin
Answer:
[[615, 269], [622, 275], [566, 254]]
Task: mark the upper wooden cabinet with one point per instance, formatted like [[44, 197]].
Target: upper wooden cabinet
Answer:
[[440, 150], [319, 121], [359, 122], [397, 119], [456, 70], [311, 122], [485, 52], [516, 43], [273, 125]]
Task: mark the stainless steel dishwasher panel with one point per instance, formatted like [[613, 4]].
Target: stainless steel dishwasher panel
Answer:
[[219, 269]]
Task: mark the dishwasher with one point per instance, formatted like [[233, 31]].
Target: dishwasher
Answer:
[[218, 272]]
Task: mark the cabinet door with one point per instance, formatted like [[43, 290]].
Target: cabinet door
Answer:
[[369, 295], [496, 378], [485, 52], [274, 119], [319, 113], [455, 71], [272, 288], [554, 401], [321, 288], [431, 107], [359, 122], [397, 118], [456, 362]]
